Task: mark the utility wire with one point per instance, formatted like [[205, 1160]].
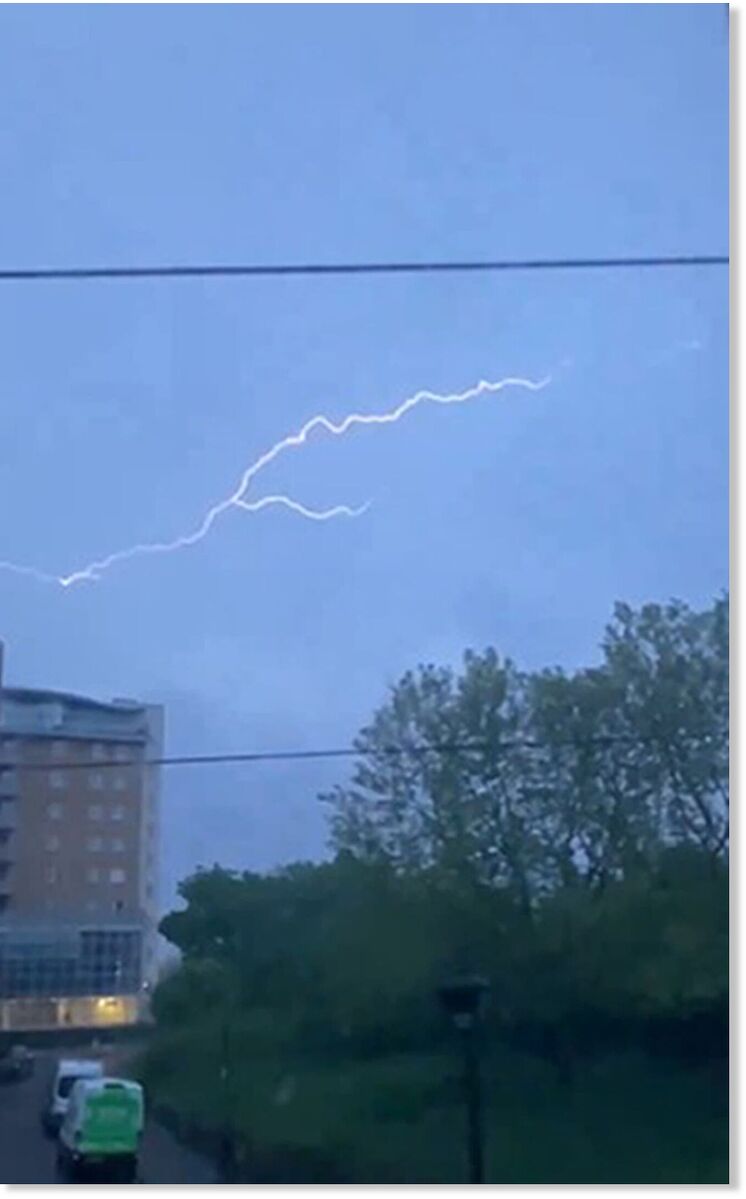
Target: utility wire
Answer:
[[257, 270], [301, 755]]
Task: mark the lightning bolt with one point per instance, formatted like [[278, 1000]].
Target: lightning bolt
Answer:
[[237, 499], [310, 513]]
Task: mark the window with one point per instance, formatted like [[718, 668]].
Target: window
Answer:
[[59, 751], [117, 812], [51, 874], [49, 716], [8, 783], [93, 874], [98, 752], [95, 811], [53, 843], [96, 781], [117, 845], [95, 844], [9, 750], [92, 905], [57, 780], [66, 1085], [123, 753], [54, 811], [117, 875], [120, 782]]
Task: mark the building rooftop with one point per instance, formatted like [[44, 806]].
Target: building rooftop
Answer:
[[34, 695], [43, 713]]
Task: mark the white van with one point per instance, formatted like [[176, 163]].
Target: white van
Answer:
[[66, 1075]]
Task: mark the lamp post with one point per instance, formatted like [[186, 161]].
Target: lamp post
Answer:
[[462, 1000]]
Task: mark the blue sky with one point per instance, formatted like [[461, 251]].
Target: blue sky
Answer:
[[139, 134]]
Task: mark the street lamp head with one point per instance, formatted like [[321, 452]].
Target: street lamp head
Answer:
[[462, 999]]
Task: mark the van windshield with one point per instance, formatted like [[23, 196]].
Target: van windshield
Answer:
[[66, 1084]]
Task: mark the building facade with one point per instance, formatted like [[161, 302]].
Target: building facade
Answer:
[[79, 825]]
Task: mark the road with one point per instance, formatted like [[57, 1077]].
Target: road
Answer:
[[27, 1156]]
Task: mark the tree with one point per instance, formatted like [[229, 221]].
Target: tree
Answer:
[[470, 813], [572, 779], [568, 839], [194, 991], [597, 802], [670, 665]]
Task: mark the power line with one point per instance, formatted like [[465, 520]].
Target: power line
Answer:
[[258, 270], [301, 755]]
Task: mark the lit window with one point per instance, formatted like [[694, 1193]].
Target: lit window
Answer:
[[59, 751], [93, 874], [51, 874], [120, 782], [57, 780], [53, 843], [54, 811], [117, 875], [117, 812], [117, 845], [96, 781], [95, 811], [95, 844]]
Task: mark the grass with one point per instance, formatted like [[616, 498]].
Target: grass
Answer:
[[400, 1118]]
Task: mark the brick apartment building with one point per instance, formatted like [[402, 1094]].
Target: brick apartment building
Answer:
[[78, 858]]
